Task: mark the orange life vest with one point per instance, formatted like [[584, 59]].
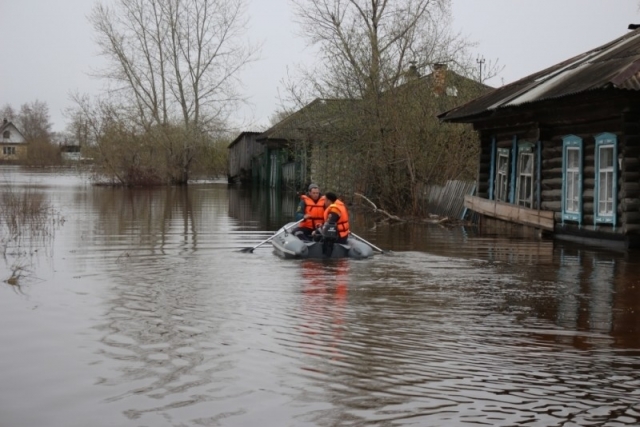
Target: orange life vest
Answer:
[[339, 208], [315, 209]]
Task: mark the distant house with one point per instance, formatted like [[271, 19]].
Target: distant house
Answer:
[[317, 140], [243, 152], [312, 143], [292, 158], [560, 149], [13, 143], [70, 151]]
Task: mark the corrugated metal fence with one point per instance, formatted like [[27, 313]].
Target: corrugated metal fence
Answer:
[[448, 200]]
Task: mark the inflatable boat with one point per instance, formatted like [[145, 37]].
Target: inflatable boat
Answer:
[[287, 245]]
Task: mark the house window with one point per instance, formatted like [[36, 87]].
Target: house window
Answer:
[[525, 175], [9, 151], [606, 178], [502, 175], [6, 134], [572, 178]]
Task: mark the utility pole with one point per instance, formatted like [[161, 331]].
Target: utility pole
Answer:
[[480, 61]]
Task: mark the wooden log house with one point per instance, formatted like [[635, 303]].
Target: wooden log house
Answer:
[[560, 149]]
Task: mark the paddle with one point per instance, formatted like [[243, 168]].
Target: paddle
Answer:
[[370, 244], [250, 250]]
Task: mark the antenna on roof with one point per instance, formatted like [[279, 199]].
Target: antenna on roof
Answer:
[[633, 26]]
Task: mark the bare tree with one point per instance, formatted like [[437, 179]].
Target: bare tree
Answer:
[[8, 113], [174, 64], [380, 52], [367, 45], [33, 121]]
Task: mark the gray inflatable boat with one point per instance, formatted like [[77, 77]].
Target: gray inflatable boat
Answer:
[[287, 245]]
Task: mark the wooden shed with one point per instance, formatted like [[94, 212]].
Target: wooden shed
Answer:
[[242, 152], [560, 149]]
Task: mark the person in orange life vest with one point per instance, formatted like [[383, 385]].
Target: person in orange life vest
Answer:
[[336, 214], [311, 208]]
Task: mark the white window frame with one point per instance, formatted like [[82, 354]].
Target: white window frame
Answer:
[[525, 150], [572, 179], [502, 175], [9, 151], [608, 174]]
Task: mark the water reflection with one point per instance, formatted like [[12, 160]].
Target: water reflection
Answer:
[[324, 300], [147, 314], [159, 336], [262, 209]]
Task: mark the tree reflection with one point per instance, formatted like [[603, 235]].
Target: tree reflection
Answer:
[[28, 223]]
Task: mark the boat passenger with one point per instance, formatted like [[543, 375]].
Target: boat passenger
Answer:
[[311, 208], [337, 216]]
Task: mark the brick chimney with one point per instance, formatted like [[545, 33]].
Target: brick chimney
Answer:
[[439, 78]]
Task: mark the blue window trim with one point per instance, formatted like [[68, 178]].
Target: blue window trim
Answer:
[[492, 168], [572, 141], [514, 165], [605, 139]]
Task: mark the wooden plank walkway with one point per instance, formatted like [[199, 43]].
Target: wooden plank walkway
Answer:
[[512, 213]]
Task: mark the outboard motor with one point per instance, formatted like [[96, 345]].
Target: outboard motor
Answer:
[[329, 237]]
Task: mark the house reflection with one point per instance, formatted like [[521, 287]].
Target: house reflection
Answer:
[[596, 295], [269, 208]]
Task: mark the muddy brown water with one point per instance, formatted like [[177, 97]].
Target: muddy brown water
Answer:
[[139, 310]]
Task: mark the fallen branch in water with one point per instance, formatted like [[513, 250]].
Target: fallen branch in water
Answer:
[[381, 211], [431, 219]]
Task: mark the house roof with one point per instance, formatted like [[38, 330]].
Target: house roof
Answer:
[[613, 65], [7, 125], [322, 111], [312, 116], [451, 80]]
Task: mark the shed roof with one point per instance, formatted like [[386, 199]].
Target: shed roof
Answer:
[[613, 65], [242, 135]]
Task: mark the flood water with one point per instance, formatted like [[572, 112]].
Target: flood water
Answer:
[[137, 308]]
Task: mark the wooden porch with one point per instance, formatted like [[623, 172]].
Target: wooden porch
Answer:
[[512, 213]]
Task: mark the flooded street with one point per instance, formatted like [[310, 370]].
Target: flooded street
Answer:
[[138, 309]]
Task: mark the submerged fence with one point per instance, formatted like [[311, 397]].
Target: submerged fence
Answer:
[[448, 200]]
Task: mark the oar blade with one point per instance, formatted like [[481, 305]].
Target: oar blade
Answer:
[[285, 229], [374, 247]]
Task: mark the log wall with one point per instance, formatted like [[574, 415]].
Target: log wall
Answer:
[[629, 177], [585, 117]]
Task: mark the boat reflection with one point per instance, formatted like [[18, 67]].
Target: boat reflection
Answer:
[[324, 301]]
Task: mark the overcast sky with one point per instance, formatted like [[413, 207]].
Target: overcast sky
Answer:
[[48, 50]]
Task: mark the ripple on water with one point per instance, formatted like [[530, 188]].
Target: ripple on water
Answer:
[[149, 315]]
